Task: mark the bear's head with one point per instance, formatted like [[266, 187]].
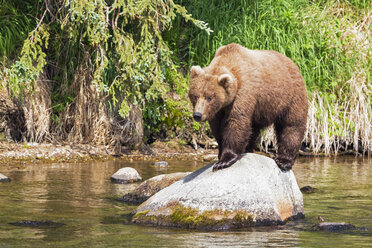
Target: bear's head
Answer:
[[210, 93]]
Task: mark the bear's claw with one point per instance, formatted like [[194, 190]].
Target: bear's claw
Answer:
[[231, 159], [221, 165], [283, 166]]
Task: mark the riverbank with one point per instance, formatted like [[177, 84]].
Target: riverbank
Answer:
[[13, 154], [25, 153]]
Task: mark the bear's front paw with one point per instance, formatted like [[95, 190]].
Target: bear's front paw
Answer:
[[220, 166], [227, 159], [284, 166]]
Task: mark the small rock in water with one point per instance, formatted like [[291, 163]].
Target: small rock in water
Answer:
[[126, 175], [33, 223], [161, 163], [333, 226], [151, 186], [252, 192], [308, 190], [4, 178]]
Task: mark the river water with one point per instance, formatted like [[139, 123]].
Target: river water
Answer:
[[81, 196]]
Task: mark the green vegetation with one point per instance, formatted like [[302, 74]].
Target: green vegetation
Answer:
[[182, 216], [96, 71], [328, 40], [15, 24], [115, 72]]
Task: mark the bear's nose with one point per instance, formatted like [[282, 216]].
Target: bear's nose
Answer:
[[197, 116]]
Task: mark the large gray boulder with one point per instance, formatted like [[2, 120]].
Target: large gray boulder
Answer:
[[151, 186], [254, 191]]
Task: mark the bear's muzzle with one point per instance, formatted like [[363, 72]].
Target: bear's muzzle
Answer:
[[197, 116]]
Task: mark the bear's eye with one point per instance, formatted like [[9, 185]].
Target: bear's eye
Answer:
[[209, 99]]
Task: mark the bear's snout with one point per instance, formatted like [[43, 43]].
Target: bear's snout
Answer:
[[197, 116]]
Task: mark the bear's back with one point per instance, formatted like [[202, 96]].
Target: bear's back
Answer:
[[268, 78], [267, 66]]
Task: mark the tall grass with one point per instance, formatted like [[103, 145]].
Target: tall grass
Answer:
[[15, 25], [328, 40], [341, 120], [289, 27]]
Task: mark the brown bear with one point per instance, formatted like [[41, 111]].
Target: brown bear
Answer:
[[243, 91]]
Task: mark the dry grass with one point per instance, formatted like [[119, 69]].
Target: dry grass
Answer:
[[88, 120], [268, 139], [37, 110], [128, 131], [344, 122], [85, 120], [11, 117], [341, 124]]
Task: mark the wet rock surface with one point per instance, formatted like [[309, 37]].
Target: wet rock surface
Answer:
[[252, 192], [125, 175], [151, 186], [4, 178]]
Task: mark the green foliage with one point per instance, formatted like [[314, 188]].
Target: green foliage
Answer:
[[125, 37], [120, 45], [14, 25], [309, 37], [25, 71], [133, 53]]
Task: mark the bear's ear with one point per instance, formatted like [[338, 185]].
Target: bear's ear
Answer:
[[196, 70], [225, 80]]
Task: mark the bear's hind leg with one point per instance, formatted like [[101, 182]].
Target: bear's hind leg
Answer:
[[289, 140]]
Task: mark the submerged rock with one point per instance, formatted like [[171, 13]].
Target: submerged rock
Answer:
[[333, 226], [308, 189], [4, 178], [254, 191], [151, 186], [161, 164], [126, 175]]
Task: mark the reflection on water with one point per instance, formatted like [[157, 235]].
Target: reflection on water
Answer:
[[82, 197]]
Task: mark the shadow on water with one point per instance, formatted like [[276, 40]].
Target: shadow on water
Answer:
[[82, 197], [117, 219], [37, 224]]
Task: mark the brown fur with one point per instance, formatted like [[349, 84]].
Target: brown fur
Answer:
[[243, 91]]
